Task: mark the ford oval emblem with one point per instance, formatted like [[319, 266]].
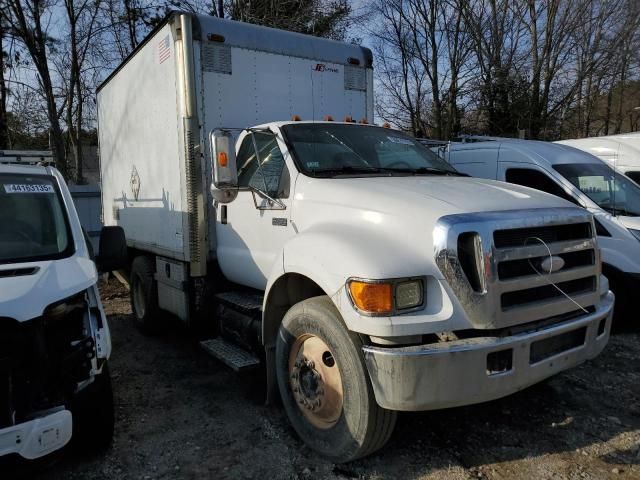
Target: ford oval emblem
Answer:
[[552, 264]]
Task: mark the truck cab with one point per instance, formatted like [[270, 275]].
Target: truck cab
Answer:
[[54, 336], [578, 177]]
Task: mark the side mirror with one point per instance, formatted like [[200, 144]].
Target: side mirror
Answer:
[[225, 171], [113, 250]]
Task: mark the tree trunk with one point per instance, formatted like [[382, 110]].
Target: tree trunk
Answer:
[[4, 127], [607, 113]]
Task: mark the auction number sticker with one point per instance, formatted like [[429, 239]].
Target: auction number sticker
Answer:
[[30, 188]]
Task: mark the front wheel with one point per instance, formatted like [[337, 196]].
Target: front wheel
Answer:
[[324, 384], [93, 414]]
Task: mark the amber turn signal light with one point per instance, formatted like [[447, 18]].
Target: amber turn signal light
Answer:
[[223, 159], [372, 297]]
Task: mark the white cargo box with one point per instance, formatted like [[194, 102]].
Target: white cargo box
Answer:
[[194, 74]]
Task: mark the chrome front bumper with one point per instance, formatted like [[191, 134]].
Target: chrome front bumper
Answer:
[[449, 374]]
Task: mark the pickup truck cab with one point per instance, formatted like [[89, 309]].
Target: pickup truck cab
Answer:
[[578, 177], [54, 336]]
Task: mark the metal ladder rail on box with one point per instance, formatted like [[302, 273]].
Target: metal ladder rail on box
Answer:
[[27, 157]]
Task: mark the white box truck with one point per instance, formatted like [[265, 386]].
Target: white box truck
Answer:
[[54, 336], [365, 274]]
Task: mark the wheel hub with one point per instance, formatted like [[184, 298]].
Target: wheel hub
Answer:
[[315, 381]]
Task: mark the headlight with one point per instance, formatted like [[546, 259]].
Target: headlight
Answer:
[[385, 297], [409, 294], [635, 233]]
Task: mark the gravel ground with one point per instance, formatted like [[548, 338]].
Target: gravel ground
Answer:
[[182, 415]]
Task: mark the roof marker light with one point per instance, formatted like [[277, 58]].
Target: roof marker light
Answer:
[[364, 121], [353, 61], [328, 118], [295, 118]]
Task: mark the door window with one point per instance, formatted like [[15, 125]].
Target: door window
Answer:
[[538, 180], [263, 171]]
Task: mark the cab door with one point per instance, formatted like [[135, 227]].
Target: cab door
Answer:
[[252, 229]]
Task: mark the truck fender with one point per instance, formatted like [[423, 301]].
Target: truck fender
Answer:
[[320, 260]]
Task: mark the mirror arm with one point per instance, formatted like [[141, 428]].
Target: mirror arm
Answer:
[[255, 149], [255, 191]]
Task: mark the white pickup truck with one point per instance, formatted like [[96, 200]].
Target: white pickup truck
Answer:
[[54, 337], [365, 274]]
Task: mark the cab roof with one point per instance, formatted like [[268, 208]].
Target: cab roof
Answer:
[[536, 150], [25, 169]]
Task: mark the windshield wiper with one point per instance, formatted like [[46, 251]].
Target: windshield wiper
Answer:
[[620, 211], [425, 170], [347, 169]]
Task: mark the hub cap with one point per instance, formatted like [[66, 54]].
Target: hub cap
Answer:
[[315, 381]]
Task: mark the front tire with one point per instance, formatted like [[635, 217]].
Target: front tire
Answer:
[[324, 384], [93, 414]]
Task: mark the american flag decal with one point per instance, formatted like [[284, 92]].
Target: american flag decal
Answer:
[[164, 49]]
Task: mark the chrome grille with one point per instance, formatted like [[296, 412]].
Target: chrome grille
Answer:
[[516, 289]]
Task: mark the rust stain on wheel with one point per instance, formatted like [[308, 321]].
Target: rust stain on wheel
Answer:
[[315, 380]]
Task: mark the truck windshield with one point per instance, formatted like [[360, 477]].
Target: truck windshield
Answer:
[[611, 191], [33, 223], [323, 150]]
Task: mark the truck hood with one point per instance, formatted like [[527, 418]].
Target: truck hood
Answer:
[[384, 227], [434, 194], [25, 295]]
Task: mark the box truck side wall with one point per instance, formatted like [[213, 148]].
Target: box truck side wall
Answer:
[[243, 75], [141, 149]]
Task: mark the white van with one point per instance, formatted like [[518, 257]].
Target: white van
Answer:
[[622, 151], [54, 337], [578, 177]]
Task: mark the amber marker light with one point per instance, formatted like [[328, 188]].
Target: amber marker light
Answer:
[[376, 298], [223, 159]]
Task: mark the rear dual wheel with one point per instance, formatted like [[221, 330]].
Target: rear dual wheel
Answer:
[[324, 384], [144, 296]]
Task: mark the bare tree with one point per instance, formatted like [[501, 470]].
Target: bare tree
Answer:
[[4, 126], [82, 20], [423, 49], [27, 21]]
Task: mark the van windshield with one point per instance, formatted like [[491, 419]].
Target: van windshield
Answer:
[[329, 150], [33, 223], [611, 191]]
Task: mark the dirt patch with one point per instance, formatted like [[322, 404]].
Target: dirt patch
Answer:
[[182, 415]]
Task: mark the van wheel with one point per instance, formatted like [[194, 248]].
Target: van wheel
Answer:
[[93, 414], [324, 384], [144, 296]]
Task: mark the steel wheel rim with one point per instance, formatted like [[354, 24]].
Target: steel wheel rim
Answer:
[[315, 381], [138, 298]]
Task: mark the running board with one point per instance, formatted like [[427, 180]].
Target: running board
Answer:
[[233, 356]]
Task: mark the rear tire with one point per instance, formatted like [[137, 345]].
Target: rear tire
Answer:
[[144, 296], [342, 426], [93, 414]]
